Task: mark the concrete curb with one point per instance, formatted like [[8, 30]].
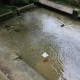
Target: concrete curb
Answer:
[[25, 8], [44, 3], [16, 69], [6, 15], [29, 72], [16, 12], [59, 8]]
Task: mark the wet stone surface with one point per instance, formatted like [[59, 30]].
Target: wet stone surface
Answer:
[[41, 31]]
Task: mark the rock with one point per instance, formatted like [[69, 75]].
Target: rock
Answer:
[[17, 22], [7, 26], [12, 26], [46, 59], [62, 25], [45, 56], [8, 29], [11, 37], [15, 55], [22, 18], [17, 30]]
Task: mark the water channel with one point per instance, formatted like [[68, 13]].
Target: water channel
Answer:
[[39, 31]]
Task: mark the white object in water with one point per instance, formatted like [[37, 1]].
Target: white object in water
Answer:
[[45, 55]]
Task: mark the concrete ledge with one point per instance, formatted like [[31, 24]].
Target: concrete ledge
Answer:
[[6, 15], [29, 72], [16, 69], [58, 7], [19, 10], [25, 8]]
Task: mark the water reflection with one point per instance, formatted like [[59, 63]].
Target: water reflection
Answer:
[[68, 41]]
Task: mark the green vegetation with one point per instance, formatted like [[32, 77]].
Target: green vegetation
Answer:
[[31, 1], [4, 9], [79, 11], [58, 1], [68, 2], [19, 2], [7, 5]]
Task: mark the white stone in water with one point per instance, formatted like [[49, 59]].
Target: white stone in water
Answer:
[[45, 55]]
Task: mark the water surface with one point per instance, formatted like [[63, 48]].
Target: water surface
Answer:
[[41, 31]]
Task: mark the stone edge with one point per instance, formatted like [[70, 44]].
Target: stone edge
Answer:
[[60, 11], [19, 10], [6, 15]]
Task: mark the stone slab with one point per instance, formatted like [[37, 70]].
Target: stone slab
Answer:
[[25, 8], [6, 15], [57, 6], [29, 72], [16, 69]]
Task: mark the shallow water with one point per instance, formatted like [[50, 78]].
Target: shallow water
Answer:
[[41, 31]]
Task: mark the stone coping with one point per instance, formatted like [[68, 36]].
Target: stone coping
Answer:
[[29, 72], [60, 8], [16, 69], [6, 15], [18, 10], [25, 8]]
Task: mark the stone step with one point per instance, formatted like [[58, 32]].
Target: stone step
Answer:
[[61, 8], [15, 68], [29, 72]]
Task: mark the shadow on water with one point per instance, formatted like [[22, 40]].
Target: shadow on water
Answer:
[[39, 31]]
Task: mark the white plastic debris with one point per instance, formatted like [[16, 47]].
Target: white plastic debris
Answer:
[[45, 55]]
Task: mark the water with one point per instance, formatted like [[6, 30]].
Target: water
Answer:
[[41, 31]]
